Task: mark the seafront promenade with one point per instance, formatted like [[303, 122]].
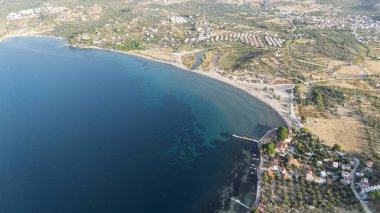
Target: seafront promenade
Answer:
[[260, 171]]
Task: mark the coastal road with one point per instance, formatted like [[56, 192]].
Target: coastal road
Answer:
[[293, 115], [260, 172], [357, 162]]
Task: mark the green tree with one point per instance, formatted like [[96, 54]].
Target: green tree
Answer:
[[297, 90], [373, 195], [318, 99], [304, 130], [266, 178], [336, 147], [282, 133], [271, 148]]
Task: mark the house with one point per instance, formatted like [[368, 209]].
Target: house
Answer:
[[275, 168], [281, 147], [346, 177], [289, 139], [309, 176], [369, 163], [364, 183], [347, 180], [276, 161], [335, 164], [287, 176], [270, 173], [283, 170], [346, 174], [317, 179], [323, 174], [319, 163], [346, 166], [293, 161], [284, 173], [322, 180], [360, 174], [261, 207]]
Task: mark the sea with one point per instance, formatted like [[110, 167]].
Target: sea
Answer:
[[85, 130]]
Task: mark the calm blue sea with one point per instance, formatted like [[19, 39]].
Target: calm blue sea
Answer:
[[95, 131]]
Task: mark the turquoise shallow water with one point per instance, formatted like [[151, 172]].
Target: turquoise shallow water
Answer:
[[95, 131]]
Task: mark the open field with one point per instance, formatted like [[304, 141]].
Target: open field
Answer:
[[304, 41], [347, 132], [350, 71], [351, 84], [279, 21], [373, 66]]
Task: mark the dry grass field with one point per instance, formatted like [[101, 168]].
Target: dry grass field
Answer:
[[373, 66], [350, 71], [351, 84], [348, 132]]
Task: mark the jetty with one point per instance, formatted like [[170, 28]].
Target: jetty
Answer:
[[240, 203], [245, 138]]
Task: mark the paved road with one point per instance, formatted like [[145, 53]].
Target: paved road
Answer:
[[357, 162], [293, 115]]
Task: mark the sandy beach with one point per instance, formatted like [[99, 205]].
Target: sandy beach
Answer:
[[254, 90], [281, 107]]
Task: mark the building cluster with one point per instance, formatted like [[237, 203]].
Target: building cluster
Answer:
[[326, 175], [364, 184], [34, 12], [181, 19], [247, 38], [325, 171], [363, 27]]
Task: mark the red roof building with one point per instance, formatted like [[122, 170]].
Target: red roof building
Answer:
[[281, 147], [276, 161], [293, 161]]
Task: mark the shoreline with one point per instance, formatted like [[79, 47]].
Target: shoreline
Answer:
[[275, 105], [213, 75]]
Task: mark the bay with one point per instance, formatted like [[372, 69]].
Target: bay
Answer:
[[84, 130]]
